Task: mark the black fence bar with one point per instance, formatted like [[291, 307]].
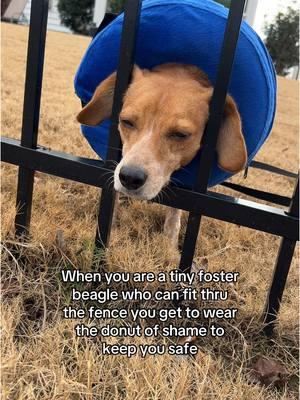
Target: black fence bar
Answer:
[[271, 168], [238, 211], [63, 165], [259, 194], [213, 126], [124, 71], [215, 205], [281, 271], [31, 108]]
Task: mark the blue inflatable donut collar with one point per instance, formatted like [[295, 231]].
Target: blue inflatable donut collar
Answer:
[[190, 32]]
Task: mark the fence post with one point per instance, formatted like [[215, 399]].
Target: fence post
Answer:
[[212, 129], [31, 109], [126, 62], [282, 267]]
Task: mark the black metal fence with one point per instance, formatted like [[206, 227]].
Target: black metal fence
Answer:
[[198, 202]]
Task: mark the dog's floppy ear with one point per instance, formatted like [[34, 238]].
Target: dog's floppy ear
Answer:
[[231, 148], [100, 106]]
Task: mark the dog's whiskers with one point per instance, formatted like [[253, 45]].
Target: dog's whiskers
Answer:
[[171, 190], [111, 183], [111, 147], [176, 181], [114, 162], [164, 192], [158, 198], [108, 173], [186, 170]]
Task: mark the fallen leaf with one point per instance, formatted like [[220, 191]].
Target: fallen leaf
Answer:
[[268, 372]]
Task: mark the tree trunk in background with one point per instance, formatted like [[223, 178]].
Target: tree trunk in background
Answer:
[[4, 5]]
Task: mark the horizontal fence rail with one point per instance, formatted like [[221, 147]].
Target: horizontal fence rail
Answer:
[[259, 194], [215, 205], [30, 157]]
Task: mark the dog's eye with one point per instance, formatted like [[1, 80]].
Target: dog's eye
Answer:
[[127, 123], [178, 135]]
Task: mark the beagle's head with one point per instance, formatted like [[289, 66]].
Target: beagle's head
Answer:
[[161, 124]]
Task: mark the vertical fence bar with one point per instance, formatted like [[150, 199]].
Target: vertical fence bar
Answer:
[[214, 123], [281, 271], [31, 108], [124, 71]]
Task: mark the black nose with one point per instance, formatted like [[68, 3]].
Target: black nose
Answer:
[[132, 177]]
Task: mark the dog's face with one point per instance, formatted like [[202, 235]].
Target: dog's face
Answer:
[[161, 126]]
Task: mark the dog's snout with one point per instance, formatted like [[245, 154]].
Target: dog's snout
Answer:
[[132, 177]]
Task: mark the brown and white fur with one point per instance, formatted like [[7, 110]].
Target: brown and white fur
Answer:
[[161, 124]]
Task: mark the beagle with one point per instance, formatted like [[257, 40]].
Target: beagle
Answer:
[[161, 125]]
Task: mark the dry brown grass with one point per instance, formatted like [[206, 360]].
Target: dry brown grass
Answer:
[[41, 356]]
